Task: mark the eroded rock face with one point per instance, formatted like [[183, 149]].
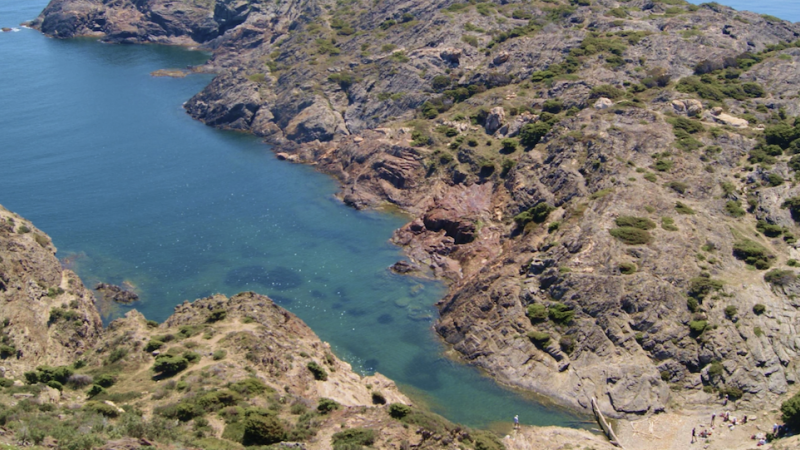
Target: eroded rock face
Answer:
[[48, 316]]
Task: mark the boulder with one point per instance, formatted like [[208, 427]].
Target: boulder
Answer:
[[451, 55], [500, 58], [603, 103], [495, 120]]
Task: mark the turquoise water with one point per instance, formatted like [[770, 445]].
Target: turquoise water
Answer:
[[785, 9], [102, 157]]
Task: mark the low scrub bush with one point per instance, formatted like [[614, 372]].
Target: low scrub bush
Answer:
[[539, 338], [753, 253], [700, 287], [318, 372], [537, 313], [631, 235], [641, 223], [561, 313], [780, 277], [354, 438]]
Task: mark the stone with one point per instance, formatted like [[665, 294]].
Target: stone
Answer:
[[729, 120], [603, 103], [451, 55], [501, 58], [495, 119]]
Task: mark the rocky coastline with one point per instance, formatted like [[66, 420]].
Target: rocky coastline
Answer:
[[590, 177]]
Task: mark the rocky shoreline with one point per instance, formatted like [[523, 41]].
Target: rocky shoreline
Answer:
[[576, 171]]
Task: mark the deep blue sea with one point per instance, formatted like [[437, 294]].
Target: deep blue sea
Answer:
[[100, 155]]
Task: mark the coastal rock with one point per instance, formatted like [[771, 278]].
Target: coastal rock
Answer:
[[230, 101], [315, 122], [49, 315], [115, 293]]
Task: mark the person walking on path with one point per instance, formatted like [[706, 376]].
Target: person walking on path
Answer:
[[713, 416], [516, 422], [694, 435]]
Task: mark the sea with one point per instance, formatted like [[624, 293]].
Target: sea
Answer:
[[100, 155]]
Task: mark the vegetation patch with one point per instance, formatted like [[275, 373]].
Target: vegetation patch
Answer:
[[753, 253], [631, 235]]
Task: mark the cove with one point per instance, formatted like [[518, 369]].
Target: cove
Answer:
[[101, 156]]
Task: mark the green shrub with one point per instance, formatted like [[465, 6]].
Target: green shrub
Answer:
[[683, 209], [218, 355], [678, 186], [262, 430], [117, 354], [698, 326], [731, 311], [101, 408], [95, 390], [192, 357], [55, 385], [692, 304], [353, 438], [152, 324], [700, 287], [794, 207], [606, 90], [249, 386], [327, 405], [170, 365], [668, 224], [553, 106], [663, 165], [561, 313], [758, 331], [7, 351], [217, 315], [539, 338], [631, 236], [509, 145], [790, 412], [627, 268], [153, 345], [759, 309], [532, 133], [641, 223], [537, 214], [318, 372], [752, 253], [105, 380], [734, 208], [715, 369], [399, 410], [537, 312], [733, 392], [686, 125], [780, 277]]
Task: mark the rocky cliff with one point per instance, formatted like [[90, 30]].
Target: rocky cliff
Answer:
[[603, 183], [48, 316]]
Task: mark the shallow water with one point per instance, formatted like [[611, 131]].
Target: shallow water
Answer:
[[784, 9], [101, 156]]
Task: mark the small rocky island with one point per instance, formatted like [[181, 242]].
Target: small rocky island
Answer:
[[607, 186]]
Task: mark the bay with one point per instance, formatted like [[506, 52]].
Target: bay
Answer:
[[101, 156]]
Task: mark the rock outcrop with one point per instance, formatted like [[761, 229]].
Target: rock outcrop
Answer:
[[47, 315]]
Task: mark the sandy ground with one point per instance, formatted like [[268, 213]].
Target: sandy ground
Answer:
[[673, 431]]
